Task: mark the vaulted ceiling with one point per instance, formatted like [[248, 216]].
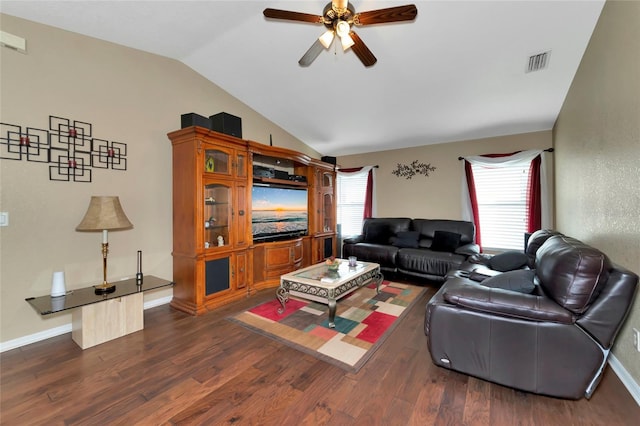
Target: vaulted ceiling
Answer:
[[457, 72]]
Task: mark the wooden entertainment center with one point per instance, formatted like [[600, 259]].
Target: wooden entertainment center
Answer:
[[215, 257]]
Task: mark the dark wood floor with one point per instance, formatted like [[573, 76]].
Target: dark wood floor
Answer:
[[206, 370]]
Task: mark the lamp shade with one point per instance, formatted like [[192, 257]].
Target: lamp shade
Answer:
[[104, 213]]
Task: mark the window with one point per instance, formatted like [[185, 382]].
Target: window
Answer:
[[351, 192], [502, 205]]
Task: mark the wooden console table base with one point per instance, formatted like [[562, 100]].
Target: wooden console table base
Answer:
[[98, 318], [108, 320]]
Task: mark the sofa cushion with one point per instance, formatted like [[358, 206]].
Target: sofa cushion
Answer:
[[427, 262], [428, 228], [384, 255], [445, 241], [571, 272], [520, 281], [508, 261], [377, 233], [407, 239]]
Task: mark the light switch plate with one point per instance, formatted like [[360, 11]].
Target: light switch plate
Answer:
[[4, 218]]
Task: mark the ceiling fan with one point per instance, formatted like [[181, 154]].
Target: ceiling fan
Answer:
[[338, 17]]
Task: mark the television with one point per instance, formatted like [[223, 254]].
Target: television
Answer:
[[278, 212]]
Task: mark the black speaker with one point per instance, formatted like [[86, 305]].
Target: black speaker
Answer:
[[193, 119], [227, 124], [330, 160]]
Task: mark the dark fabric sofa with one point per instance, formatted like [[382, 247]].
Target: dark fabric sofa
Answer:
[[546, 328], [423, 248]]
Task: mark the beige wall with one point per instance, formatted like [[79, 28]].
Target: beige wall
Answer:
[[439, 195], [129, 96], [597, 140]]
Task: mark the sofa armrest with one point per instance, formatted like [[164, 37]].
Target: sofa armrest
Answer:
[[355, 239], [468, 249], [504, 302]]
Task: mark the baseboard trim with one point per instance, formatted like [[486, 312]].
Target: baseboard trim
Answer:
[[65, 328], [626, 378]]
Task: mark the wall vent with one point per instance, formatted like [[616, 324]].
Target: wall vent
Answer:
[[538, 62], [13, 42]]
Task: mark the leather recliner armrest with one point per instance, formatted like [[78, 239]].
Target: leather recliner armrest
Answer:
[[354, 239], [468, 249], [504, 302]]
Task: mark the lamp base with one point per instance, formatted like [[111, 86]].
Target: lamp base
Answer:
[[104, 288]]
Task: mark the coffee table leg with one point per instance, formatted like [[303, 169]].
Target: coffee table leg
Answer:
[[282, 293], [332, 313], [378, 279]]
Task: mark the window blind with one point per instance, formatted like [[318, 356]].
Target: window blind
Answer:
[[351, 191], [502, 205]]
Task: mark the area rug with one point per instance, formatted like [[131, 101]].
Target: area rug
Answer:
[[363, 321]]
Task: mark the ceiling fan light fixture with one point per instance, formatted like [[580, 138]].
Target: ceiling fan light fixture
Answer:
[[338, 16], [327, 38], [343, 28], [340, 6], [346, 41]]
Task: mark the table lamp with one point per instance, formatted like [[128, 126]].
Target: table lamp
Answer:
[[104, 214]]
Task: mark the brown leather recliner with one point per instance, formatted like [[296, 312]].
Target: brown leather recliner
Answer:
[[553, 341]]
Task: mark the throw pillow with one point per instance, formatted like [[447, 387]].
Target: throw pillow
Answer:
[[508, 261], [520, 281], [406, 239], [445, 241], [377, 233]]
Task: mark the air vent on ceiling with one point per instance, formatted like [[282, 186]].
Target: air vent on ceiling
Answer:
[[539, 61]]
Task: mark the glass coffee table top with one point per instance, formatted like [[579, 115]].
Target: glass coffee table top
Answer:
[[322, 272]]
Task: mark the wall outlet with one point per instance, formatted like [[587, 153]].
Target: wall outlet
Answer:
[[636, 339]]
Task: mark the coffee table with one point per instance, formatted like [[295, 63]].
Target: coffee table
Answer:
[[320, 284]]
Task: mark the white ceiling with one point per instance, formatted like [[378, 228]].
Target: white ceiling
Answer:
[[455, 73]]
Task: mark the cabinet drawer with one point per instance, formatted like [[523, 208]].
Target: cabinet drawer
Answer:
[[278, 257]]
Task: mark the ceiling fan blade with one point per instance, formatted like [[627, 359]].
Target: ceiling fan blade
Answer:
[[381, 16], [313, 52], [362, 51], [292, 16]]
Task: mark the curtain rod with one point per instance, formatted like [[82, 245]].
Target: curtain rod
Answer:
[[545, 150], [375, 167]]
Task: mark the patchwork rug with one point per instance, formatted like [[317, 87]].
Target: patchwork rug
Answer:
[[363, 321]]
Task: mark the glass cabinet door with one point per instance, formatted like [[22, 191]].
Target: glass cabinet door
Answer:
[[217, 161], [241, 169], [327, 207], [327, 212], [217, 199], [327, 181]]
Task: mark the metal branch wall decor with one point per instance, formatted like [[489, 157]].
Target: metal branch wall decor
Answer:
[[415, 168], [68, 146]]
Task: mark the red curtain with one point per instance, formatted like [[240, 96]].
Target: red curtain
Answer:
[[474, 201], [368, 196], [534, 199]]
